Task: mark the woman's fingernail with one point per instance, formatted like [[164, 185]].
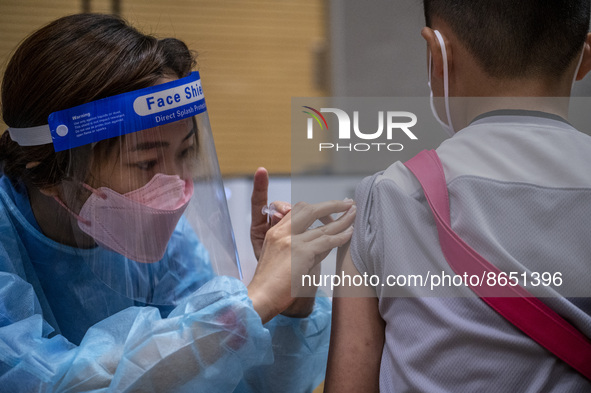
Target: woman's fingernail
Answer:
[[349, 200], [352, 210]]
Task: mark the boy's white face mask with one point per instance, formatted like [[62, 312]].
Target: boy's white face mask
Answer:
[[448, 127]]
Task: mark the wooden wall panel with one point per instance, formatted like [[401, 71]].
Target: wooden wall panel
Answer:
[[253, 57], [19, 18]]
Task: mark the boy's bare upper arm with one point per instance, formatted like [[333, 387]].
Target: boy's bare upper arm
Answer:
[[357, 338]]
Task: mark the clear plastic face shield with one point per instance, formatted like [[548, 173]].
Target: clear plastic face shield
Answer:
[[143, 203]]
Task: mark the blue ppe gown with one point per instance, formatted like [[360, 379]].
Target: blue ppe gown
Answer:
[[62, 329]]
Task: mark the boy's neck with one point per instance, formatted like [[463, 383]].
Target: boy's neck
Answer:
[[489, 94], [473, 107]]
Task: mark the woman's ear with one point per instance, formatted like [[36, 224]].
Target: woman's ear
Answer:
[[586, 61], [50, 191]]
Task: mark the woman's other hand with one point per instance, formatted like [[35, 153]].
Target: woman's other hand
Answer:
[[290, 249]]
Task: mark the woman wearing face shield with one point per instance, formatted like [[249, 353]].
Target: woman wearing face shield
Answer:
[[115, 263]]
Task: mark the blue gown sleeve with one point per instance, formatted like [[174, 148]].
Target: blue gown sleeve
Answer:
[[205, 344], [300, 349]]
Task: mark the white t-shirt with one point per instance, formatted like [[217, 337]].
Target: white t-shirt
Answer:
[[520, 194]]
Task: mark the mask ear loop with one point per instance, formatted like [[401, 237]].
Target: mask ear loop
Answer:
[[74, 214], [445, 78], [578, 66]]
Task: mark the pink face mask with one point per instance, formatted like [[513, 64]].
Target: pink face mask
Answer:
[[138, 224]]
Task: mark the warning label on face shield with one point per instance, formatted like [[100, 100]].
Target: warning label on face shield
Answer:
[[126, 113]]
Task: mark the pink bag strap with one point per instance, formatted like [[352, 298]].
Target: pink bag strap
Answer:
[[516, 304]]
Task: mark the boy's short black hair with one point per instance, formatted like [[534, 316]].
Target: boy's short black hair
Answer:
[[515, 38]]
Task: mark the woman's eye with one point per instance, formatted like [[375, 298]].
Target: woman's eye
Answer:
[[146, 165]]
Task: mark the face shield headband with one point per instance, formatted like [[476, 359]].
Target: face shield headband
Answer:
[[117, 115]]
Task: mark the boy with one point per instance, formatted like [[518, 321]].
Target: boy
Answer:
[[520, 190]]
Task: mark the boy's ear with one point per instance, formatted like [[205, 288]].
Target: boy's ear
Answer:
[[586, 61], [434, 47]]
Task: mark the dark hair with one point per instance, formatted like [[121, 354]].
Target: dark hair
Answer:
[[71, 61], [513, 38]]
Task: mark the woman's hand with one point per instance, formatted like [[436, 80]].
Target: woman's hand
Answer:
[[290, 250]]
